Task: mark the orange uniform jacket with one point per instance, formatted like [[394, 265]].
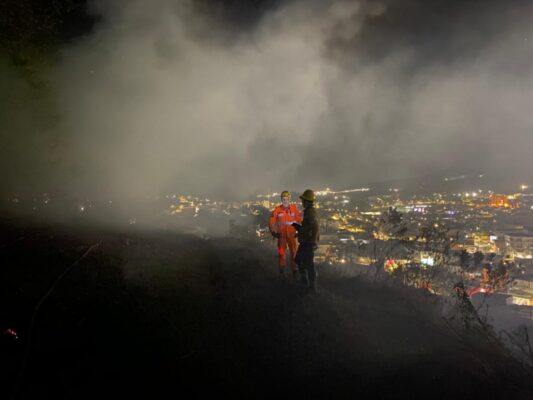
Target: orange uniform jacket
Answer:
[[281, 220]]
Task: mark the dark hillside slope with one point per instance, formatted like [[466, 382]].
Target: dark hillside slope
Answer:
[[145, 313]]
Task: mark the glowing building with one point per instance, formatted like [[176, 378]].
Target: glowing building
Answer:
[[501, 201], [519, 245]]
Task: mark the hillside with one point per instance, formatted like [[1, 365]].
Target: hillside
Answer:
[[144, 313]]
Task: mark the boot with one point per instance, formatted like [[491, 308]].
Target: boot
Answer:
[[304, 280], [313, 288], [295, 276]]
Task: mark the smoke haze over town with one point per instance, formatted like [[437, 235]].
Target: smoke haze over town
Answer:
[[236, 98]]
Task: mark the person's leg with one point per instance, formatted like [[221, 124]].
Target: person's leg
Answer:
[[300, 264], [309, 265], [282, 258], [312, 273], [303, 250], [293, 248]]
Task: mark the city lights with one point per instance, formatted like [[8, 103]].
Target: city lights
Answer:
[[479, 219]]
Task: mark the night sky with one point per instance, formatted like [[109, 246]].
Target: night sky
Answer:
[[232, 98]]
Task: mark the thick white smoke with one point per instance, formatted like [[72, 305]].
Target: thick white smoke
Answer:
[[162, 98], [154, 107]]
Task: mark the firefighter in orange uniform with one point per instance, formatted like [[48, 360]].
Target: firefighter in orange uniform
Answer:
[[280, 225]]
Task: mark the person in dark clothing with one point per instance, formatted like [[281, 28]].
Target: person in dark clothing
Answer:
[[308, 237]]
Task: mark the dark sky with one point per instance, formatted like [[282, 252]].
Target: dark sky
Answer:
[[231, 98]]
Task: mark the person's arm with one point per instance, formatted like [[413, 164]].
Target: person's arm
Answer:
[[298, 215], [314, 227], [309, 230], [271, 223], [297, 224]]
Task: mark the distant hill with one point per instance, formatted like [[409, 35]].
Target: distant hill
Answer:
[[147, 313], [454, 182]]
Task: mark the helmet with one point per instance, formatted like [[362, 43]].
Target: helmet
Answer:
[[285, 193], [308, 195]]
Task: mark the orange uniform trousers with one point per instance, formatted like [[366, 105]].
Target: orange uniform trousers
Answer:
[[290, 242]]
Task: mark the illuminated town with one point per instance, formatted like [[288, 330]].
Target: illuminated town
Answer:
[[484, 231]]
